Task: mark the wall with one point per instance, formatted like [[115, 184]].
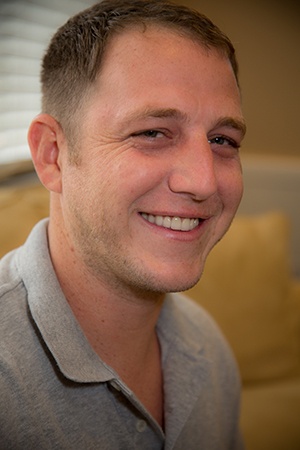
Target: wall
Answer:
[[266, 34]]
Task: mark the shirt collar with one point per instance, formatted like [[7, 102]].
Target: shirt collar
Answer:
[[62, 333], [53, 316]]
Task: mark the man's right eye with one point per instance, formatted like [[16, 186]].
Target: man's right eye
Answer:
[[152, 139], [151, 134]]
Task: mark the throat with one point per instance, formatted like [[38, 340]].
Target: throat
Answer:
[[149, 391], [144, 377]]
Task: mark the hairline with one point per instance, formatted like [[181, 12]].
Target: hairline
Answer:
[[72, 130]]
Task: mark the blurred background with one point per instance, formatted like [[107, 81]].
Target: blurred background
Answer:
[[266, 34], [26, 27]]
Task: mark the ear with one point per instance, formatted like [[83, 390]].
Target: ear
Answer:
[[47, 143]]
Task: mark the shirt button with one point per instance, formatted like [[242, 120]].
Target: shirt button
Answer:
[[141, 426]]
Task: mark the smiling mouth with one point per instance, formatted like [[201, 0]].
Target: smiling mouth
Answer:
[[173, 223]]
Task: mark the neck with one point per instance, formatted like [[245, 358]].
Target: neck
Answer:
[[117, 328]]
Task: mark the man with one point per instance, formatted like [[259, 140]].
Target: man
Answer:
[[138, 145]]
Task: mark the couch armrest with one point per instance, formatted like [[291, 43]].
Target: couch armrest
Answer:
[[296, 292], [295, 298]]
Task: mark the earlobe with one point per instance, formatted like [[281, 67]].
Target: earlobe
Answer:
[[45, 139]]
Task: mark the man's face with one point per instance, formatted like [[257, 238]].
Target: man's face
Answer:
[[159, 178]]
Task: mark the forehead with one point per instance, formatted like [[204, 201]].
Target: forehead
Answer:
[[155, 47], [143, 33], [154, 50], [158, 68]]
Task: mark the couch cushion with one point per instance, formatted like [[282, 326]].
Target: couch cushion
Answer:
[[20, 209], [270, 415], [246, 286]]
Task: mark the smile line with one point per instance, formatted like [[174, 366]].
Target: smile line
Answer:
[[173, 223]]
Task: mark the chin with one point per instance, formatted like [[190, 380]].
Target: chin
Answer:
[[180, 287], [177, 284]]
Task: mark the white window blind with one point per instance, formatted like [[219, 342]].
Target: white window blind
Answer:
[[26, 27]]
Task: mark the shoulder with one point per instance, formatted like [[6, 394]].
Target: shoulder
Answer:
[[13, 299], [21, 265], [17, 332], [11, 286]]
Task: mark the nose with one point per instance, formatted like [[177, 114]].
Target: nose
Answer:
[[193, 170]]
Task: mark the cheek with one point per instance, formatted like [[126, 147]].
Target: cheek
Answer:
[[231, 187], [138, 175]]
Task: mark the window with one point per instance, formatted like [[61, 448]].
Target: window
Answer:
[[26, 27]]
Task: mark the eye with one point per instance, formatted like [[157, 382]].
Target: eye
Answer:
[[151, 139], [150, 134], [223, 141]]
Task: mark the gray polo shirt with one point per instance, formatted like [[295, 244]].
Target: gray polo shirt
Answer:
[[56, 393]]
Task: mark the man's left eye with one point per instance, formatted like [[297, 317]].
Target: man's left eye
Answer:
[[223, 140]]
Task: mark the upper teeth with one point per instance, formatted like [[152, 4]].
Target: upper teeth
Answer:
[[175, 223]]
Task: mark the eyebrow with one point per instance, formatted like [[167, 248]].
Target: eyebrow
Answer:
[[231, 122], [159, 113]]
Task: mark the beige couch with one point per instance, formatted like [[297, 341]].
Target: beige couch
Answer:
[[249, 288]]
